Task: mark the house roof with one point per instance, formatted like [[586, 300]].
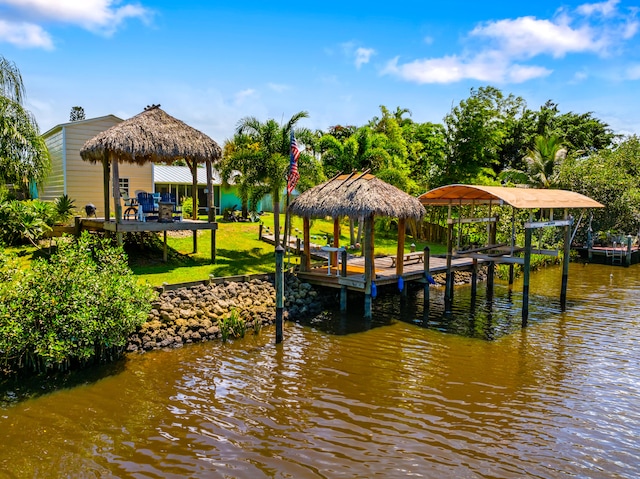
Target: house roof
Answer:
[[181, 175], [78, 122], [356, 195], [524, 198]]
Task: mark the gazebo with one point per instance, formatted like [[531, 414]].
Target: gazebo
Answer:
[[157, 137], [457, 195], [356, 195]]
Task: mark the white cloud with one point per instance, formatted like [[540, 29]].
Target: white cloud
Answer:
[[363, 55], [527, 37], [278, 87], [241, 96], [25, 35], [489, 67], [102, 16], [499, 48], [633, 72], [603, 8]]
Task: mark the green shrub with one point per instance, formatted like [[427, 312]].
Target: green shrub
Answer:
[[25, 221], [187, 206], [76, 308]]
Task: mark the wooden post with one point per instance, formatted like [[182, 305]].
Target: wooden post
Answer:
[[343, 289], [565, 263], [260, 232], [336, 240], [427, 270], [368, 264], [298, 247], [77, 226], [474, 278], [195, 241], [448, 288], [491, 269], [306, 245], [164, 248], [105, 179], [213, 246], [400, 250], [628, 261], [116, 189], [279, 292], [525, 280]]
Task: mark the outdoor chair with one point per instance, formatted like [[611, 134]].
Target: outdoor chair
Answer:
[[130, 205], [147, 206]]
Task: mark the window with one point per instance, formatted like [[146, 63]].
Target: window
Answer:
[[123, 184]]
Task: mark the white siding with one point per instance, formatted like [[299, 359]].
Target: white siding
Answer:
[[53, 186], [84, 180]]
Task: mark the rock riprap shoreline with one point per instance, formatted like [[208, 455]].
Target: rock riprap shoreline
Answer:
[[194, 314]]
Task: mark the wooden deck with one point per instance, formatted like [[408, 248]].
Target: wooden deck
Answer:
[[385, 270]]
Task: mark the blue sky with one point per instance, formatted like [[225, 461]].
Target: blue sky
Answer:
[[211, 63]]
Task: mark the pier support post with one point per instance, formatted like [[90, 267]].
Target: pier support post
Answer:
[[628, 261], [565, 263], [448, 291], [343, 289], [474, 278], [427, 259], [369, 269], [525, 281], [279, 292], [491, 267]]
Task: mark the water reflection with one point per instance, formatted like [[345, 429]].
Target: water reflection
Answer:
[[472, 395]]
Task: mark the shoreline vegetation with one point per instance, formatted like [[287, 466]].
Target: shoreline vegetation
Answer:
[[70, 331]]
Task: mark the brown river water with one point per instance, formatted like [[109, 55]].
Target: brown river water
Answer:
[[404, 395]]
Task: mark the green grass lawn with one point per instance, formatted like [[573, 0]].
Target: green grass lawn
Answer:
[[238, 251]]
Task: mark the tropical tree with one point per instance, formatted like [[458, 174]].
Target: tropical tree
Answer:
[[541, 164], [267, 162], [23, 154]]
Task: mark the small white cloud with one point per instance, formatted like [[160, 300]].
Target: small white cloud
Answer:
[[278, 87], [363, 55], [580, 76], [26, 35], [489, 67], [602, 8], [527, 37], [428, 40], [633, 72], [244, 94]]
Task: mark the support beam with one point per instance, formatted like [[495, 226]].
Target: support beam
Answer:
[[279, 293], [368, 265], [565, 262], [306, 263], [427, 274], [400, 249], [106, 173], [343, 288], [448, 288], [336, 240], [525, 281]]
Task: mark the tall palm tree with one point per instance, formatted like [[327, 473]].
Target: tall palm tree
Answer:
[[23, 153], [268, 163]]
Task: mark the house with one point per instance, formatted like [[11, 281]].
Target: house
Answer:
[[178, 179], [83, 181], [80, 180]]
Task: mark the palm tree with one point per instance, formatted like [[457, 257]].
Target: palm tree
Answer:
[[23, 154], [267, 163], [542, 160]]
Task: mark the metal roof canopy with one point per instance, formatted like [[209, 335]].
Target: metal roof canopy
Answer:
[[521, 198]]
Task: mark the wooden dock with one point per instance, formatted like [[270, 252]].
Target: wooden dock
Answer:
[[134, 226]]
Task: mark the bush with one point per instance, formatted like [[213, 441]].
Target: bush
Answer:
[[77, 308], [187, 206]]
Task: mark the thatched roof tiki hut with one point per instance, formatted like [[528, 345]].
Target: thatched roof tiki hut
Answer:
[[151, 136], [357, 195]]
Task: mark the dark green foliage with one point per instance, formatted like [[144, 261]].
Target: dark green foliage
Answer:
[[77, 307]]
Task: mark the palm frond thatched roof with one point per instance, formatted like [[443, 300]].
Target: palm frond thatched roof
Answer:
[[151, 136], [356, 195]]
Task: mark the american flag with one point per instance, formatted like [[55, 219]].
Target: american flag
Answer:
[[292, 178]]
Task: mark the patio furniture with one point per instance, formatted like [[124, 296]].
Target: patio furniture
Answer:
[[130, 205], [148, 208]]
